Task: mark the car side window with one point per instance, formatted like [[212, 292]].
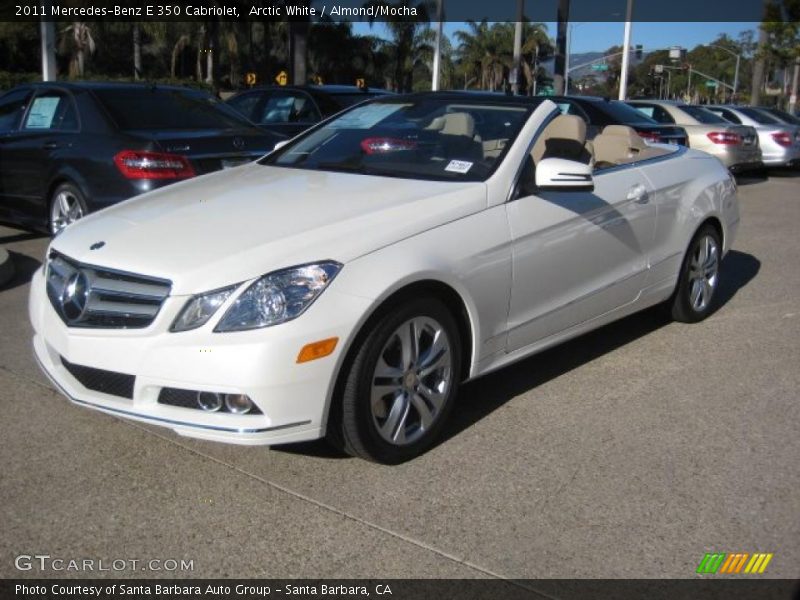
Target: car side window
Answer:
[[12, 107], [288, 107], [661, 115], [53, 111], [646, 109], [245, 104], [726, 114]]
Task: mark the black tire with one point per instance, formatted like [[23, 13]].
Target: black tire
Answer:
[[683, 305], [353, 426], [75, 195]]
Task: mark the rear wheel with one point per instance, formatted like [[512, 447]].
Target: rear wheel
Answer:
[[699, 277], [401, 384], [67, 205]]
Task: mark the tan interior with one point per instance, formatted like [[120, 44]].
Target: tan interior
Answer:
[[563, 127], [620, 144]]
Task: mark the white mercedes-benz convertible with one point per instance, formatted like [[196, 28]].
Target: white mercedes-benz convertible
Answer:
[[345, 285]]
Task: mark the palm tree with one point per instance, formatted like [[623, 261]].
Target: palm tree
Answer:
[[77, 42], [405, 43], [486, 51], [155, 30]]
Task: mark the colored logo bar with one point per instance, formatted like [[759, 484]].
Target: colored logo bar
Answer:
[[734, 563]]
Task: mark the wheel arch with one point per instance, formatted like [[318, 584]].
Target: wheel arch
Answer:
[[461, 310]]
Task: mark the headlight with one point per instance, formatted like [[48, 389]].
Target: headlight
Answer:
[[200, 309], [278, 297]]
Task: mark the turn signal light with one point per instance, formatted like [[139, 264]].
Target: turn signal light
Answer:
[[317, 350], [141, 164]]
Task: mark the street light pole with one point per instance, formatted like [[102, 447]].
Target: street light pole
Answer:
[[623, 78], [517, 47], [437, 51]]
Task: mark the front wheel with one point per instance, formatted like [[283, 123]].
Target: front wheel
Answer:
[[401, 384], [699, 277], [67, 205]]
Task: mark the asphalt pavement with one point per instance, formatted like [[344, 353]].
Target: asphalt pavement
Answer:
[[629, 452]]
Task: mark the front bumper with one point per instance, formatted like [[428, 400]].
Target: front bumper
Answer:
[[261, 364]]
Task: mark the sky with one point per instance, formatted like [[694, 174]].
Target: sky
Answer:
[[596, 37]]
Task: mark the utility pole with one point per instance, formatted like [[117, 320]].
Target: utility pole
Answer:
[[517, 47], [626, 47], [437, 51], [48, 35]]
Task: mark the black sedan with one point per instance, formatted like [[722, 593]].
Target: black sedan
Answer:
[[293, 109], [599, 112], [67, 149]]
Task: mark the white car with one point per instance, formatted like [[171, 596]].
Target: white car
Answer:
[[346, 284]]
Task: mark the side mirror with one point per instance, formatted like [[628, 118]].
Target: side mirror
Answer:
[[563, 175], [280, 145]]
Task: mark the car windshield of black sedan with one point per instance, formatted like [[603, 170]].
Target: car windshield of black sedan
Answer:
[[410, 138], [153, 108]]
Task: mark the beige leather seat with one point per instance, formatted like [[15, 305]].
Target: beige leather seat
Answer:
[[458, 133], [563, 137], [620, 144]]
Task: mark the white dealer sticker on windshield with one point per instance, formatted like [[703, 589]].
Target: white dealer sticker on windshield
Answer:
[[42, 112], [458, 166], [366, 116]]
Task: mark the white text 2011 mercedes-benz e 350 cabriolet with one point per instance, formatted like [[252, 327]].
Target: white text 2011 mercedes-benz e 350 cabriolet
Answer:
[[347, 283]]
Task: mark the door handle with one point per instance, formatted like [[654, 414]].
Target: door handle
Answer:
[[638, 193], [49, 145]]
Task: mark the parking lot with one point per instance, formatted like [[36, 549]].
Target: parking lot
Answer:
[[629, 452]]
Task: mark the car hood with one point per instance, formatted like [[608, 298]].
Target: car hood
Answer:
[[234, 225]]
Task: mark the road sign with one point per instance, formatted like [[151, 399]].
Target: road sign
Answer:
[[282, 78], [600, 67], [659, 68], [250, 78], [711, 84]]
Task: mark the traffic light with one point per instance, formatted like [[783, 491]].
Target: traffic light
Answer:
[[638, 49]]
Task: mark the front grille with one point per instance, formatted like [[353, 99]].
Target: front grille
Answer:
[[98, 380], [91, 296]]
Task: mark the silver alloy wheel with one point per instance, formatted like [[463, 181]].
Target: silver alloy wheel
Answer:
[[66, 209], [703, 273], [411, 381]]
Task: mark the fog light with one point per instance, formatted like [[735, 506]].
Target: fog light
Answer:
[[238, 404], [209, 401]]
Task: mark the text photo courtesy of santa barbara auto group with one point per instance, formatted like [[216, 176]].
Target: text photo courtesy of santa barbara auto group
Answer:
[[406, 299]]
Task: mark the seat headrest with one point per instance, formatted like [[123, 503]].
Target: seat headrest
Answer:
[[567, 127], [458, 123], [630, 136]]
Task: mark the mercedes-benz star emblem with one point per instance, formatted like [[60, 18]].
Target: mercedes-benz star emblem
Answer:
[[75, 296], [238, 143]]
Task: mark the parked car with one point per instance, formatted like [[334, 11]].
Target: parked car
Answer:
[[290, 110], [601, 112], [735, 145], [347, 283], [67, 149], [779, 141]]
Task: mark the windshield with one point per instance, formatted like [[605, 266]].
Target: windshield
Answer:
[[701, 115], [430, 138], [149, 108]]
